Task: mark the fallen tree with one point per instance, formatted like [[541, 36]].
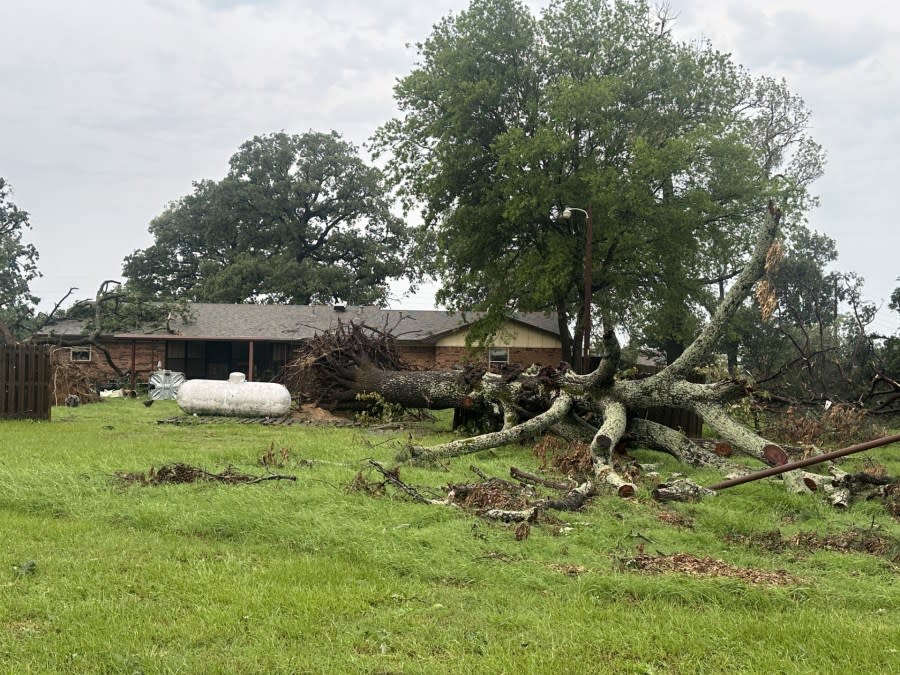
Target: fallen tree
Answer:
[[594, 406]]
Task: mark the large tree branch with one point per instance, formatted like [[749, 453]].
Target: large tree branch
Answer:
[[560, 408], [660, 437], [739, 436], [750, 274]]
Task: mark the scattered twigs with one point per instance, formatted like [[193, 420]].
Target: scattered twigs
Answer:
[[492, 498], [179, 473], [525, 477], [392, 477], [68, 379]]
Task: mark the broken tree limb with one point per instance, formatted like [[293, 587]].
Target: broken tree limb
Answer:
[[740, 436], [680, 490], [796, 483], [560, 408], [606, 473], [613, 428], [678, 445], [739, 290], [525, 477], [574, 499], [809, 461], [509, 516], [803, 481]]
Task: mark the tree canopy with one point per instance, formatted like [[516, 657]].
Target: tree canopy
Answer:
[[297, 219], [19, 266], [506, 119]]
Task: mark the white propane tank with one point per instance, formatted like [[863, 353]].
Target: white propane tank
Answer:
[[235, 397]]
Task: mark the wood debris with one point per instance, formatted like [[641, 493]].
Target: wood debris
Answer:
[[691, 565], [179, 473]]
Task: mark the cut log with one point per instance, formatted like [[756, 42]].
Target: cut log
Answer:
[[680, 490]]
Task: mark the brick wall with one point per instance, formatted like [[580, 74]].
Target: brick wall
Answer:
[[448, 357], [543, 357], [147, 354], [418, 356]]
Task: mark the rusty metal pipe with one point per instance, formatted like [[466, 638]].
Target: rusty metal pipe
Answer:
[[799, 464]]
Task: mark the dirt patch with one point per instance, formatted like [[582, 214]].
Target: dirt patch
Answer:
[[568, 570], [687, 563], [850, 541], [674, 518], [178, 473], [311, 413]]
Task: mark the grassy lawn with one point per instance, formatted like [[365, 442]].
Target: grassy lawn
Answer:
[[313, 576]]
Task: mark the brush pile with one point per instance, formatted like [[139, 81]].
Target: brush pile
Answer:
[[325, 369]]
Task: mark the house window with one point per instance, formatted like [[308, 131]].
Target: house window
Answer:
[[80, 354], [498, 356], [175, 356]]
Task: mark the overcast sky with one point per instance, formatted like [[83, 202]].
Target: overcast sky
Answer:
[[111, 108]]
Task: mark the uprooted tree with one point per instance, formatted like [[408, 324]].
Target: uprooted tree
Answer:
[[595, 405]]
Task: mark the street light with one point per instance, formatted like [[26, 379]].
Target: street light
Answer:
[[588, 279]]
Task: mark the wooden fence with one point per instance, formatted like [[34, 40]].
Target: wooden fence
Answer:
[[688, 423], [25, 382]]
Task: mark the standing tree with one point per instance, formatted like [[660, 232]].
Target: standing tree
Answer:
[[18, 270], [508, 119], [298, 219]]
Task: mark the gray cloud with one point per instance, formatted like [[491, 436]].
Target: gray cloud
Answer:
[[789, 37], [111, 109]]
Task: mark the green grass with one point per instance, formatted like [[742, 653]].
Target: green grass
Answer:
[[284, 577]]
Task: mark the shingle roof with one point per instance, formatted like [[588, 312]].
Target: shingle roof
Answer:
[[298, 322]]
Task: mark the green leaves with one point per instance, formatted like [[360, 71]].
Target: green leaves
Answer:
[[507, 118], [18, 266], [298, 219]]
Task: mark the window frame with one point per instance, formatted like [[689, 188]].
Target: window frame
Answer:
[[85, 354], [493, 362]]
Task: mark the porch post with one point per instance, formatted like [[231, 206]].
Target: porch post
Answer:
[[133, 365], [250, 363]]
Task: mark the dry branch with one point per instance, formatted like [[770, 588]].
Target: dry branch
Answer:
[[178, 473]]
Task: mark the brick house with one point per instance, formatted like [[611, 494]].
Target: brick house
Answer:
[[258, 340]]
